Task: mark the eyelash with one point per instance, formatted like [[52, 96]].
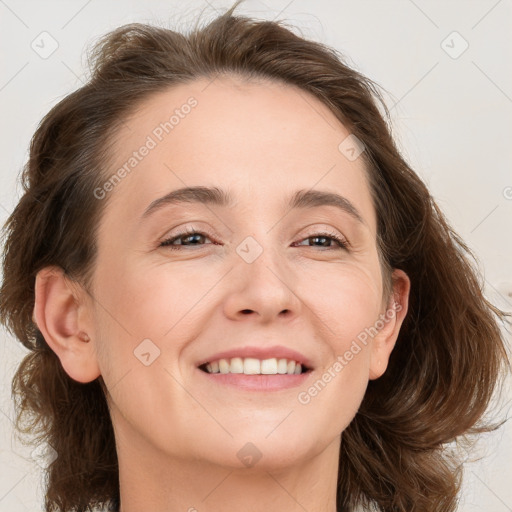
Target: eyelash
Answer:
[[342, 242]]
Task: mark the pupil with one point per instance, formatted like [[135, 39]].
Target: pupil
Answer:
[[192, 237], [321, 238]]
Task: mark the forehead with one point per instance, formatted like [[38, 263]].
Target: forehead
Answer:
[[261, 140]]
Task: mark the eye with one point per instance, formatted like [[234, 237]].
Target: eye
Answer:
[[324, 238], [189, 237]]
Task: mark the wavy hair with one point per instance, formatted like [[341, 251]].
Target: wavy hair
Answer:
[[450, 353]]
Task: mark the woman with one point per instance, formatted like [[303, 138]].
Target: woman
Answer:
[[318, 349]]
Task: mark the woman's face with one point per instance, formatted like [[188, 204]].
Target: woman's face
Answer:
[[259, 272]]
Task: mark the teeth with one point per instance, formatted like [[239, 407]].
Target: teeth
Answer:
[[269, 366], [253, 366], [282, 366], [237, 365], [223, 366]]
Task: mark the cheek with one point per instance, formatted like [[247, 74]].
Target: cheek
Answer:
[[150, 302], [154, 310], [346, 300], [345, 305]]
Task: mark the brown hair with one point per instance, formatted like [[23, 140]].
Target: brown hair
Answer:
[[450, 352]]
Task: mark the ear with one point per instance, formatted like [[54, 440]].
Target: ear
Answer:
[[61, 312], [384, 341]]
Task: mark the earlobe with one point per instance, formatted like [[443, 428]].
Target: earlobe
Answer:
[[384, 342], [56, 313]]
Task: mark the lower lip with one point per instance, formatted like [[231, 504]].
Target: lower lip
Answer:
[[258, 382]]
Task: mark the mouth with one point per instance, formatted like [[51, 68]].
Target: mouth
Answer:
[[251, 366], [257, 368]]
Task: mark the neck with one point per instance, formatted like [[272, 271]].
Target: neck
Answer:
[[150, 480]]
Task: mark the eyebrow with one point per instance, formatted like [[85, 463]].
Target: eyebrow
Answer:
[[301, 199]]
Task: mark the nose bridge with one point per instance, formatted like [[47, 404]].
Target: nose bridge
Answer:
[[262, 279], [263, 261]]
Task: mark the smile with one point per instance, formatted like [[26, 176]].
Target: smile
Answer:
[[253, 366]]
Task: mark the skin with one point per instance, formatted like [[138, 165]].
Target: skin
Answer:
[[177, 435]]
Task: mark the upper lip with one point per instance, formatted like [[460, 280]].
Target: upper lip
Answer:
[[277, 351]]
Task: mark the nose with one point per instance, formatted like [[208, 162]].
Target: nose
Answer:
[[262, 290]]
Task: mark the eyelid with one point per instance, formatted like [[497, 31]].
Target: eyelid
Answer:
[[319, 228]]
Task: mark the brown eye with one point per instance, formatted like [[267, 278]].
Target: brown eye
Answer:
[[188, 238], [325, 238]]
